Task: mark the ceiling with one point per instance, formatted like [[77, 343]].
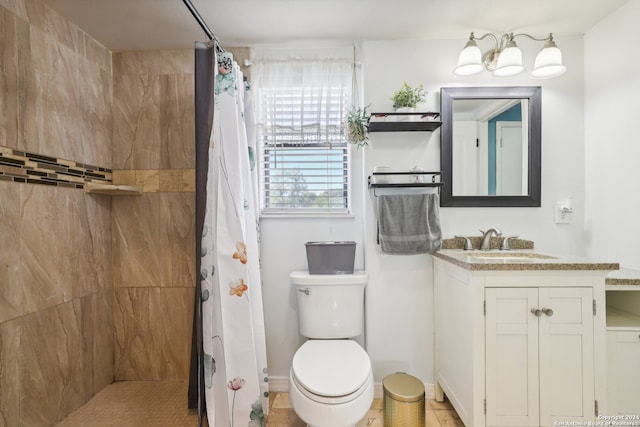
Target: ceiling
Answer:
[[123, 25]]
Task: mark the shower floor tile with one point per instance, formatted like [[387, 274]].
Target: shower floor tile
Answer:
[[135, 404]]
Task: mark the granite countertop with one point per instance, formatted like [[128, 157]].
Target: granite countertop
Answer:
[[520, 260], [495, 242], [623, 277]]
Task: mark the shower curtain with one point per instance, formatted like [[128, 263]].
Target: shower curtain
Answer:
[[234, 368]]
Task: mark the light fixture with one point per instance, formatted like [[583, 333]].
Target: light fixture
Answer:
[[505, 59]]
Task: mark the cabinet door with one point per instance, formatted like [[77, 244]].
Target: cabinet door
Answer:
[[624, 372], [566, 355], [511, 352]]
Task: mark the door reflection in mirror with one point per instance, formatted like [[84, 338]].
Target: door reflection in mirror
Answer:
[[490, 147]]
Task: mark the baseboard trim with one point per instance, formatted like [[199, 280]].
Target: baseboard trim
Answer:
[[278, 384], [281, 385]]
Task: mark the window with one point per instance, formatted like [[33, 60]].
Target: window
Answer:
[[304, 155]]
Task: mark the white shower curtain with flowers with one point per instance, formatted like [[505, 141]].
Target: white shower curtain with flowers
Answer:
[[235, 365]]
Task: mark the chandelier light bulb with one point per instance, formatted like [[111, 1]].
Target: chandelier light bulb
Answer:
[[548, 63], [509, 61], [470, 60]]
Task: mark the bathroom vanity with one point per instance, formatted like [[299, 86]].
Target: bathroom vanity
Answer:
[[520, 337]]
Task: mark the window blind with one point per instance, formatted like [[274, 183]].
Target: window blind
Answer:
[[304, 152]]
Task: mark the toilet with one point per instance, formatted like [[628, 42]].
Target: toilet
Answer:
[[330, 380]]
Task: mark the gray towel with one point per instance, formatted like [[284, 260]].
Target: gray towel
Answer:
[[409, 224]]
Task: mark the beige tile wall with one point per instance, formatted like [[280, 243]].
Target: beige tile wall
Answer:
[[56, 322], [153, 234], [153, 110], [55, 301], [56, 86]]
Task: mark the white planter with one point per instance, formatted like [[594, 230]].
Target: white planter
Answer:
[[404, 110]]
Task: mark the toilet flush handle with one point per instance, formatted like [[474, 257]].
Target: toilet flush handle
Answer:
[[305, 291]]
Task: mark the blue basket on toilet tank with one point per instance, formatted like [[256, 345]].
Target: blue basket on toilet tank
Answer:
[[331, 257]]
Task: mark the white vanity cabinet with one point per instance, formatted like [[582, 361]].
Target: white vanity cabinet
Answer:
[[623, 347], [503, 363], [538, 368]]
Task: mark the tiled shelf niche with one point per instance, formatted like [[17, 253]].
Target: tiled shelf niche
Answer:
[[112, 190]]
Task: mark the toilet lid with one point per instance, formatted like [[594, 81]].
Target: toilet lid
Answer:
[[331, 367]]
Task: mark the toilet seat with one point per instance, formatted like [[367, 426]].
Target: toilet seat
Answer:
[[324, 400], [331, 371]]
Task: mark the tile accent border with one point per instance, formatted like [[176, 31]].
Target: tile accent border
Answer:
[[33, 168]]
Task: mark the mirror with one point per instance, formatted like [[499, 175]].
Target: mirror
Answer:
[[490, 146]]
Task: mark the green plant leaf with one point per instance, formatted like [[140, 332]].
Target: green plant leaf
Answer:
[[358, 126], [408, 96]]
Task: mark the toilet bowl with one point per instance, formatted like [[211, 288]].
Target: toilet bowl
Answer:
[[331, 383]]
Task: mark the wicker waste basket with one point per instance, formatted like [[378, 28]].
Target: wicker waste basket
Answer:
[[403, 401]]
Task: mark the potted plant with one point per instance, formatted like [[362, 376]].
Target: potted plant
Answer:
[[407, 98], [358, 126]]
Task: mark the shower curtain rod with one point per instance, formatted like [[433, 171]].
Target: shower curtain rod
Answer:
[[203, 24]]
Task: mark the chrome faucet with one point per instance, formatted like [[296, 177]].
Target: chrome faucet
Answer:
[[505, 246], [485, 243], [468, 246]]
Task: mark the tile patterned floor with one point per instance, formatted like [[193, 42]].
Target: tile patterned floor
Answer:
[[436, 415], [163, 404]]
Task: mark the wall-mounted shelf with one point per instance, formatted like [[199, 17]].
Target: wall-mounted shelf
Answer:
[[413, 179], [112, 190], [404, 122]]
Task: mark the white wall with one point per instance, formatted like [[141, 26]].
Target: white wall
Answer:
[[399, 294], [612, 89]]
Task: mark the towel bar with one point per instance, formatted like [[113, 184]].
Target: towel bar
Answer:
[[435, 181]]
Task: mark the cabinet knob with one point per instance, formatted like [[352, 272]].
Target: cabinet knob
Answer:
[[547, 311], [537, 312]]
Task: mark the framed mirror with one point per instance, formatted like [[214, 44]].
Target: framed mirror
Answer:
[[490, 148]]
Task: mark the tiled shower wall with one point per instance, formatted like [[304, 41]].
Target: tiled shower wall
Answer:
[[56, 340], [92, 287], [153, 234]]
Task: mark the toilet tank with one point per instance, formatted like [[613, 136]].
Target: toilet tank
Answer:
[[330, 306]]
